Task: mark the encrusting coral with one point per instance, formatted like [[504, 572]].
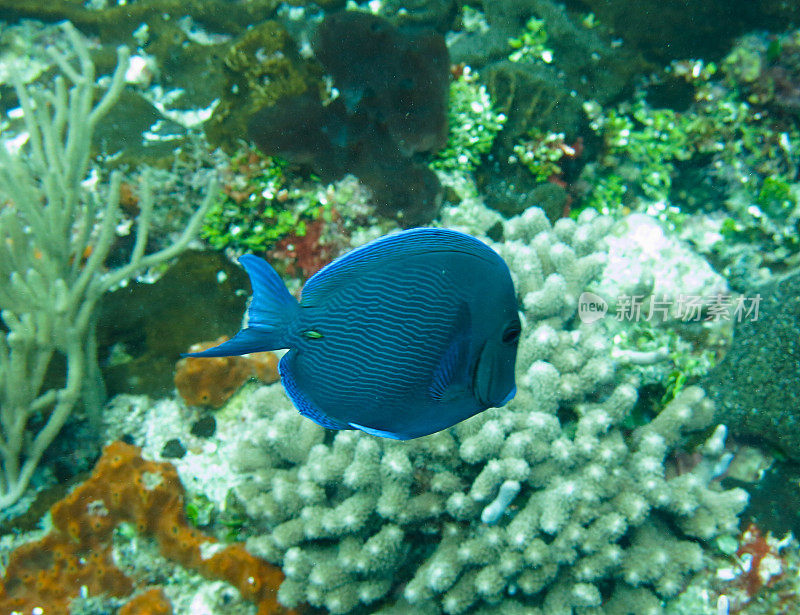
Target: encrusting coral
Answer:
[[211, 381], [549, 503], [44, 576]]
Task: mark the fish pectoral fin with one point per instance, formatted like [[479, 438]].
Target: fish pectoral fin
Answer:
[[303, 404], [449, 378]]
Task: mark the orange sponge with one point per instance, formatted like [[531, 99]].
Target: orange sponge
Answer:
[[151, 602], [77, 552], [211, 381]]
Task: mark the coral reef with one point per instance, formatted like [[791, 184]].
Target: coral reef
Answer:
[[582, 63], [425, 516], [472, 122], [76, 555], [254, 211], [767, 69], [556, 62], [547, 503], [308, 249], [212, 381], [116, 21], [755, 385], [267, 209], [644, 260], [693, 141], [659, 28]]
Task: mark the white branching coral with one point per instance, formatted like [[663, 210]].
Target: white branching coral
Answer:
[[512, 508]]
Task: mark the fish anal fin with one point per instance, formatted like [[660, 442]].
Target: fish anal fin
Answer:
[[300, 400], [378, 432]]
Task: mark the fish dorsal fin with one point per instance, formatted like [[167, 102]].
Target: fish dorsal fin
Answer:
[[391, 247], [301, 402], [449, 378]]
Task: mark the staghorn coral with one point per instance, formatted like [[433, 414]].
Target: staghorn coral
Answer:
[[549, 503], [77, 552], [212, 381]]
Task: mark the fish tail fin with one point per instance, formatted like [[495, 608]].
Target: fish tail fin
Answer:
[[271, 310], [272, 306]]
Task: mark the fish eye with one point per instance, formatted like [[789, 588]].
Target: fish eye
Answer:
[[511, 333]]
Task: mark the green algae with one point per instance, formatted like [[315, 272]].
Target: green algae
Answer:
[[473, 124], [260, 205]]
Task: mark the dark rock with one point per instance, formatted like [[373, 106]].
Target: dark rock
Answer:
[[173, 449], [391, 107], [675, 29], [205, 427], [153, 323], [436, 14], [511, 189], [495, 233], [774, 500], [396, 80], [756, 387], [117, 22], [261, 67], [532, 96]]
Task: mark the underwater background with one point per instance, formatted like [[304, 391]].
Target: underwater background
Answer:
[[635, 164]]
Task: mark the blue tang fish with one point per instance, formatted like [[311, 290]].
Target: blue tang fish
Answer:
[[403, 337]]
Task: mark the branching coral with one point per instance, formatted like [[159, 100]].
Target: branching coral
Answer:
[[545, 504], [581, 520]]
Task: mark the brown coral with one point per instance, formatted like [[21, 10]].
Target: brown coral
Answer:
[[211, 381], [77, 552]]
